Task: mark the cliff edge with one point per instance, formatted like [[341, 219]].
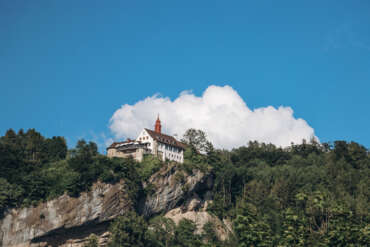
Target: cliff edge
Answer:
[[68, 221]]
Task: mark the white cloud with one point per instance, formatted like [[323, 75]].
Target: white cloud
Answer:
[[220, 112]]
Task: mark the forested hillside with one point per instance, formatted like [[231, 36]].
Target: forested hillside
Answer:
[[306, 195], [35, 168]]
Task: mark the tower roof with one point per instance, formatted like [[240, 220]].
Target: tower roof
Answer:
[[158, 126]]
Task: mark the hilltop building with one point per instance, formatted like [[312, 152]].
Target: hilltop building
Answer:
[[153, 142]]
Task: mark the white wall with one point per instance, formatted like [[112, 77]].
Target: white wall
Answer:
[[144, 137], [169, 152]]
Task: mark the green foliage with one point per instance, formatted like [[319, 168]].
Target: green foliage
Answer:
[[295, 194], [55, 148], [184, 234], [92, 241], [9, 193], [193, 160], [160, 232], [197, 139], [35, 169], [132, 230], [128, 230], [209, 235], [180, 177], [148, 167], [294, 229], [250, 230], [309, 194]]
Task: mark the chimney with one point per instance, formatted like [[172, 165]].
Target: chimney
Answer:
[[158, 126]]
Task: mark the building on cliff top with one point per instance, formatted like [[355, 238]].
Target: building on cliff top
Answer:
[[152, 142]]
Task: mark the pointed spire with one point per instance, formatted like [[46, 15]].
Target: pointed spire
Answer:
[[158, 126]]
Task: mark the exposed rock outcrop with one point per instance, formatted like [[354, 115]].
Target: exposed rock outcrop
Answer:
[[56, 221], [195, 209], [67, 221], [184, 196], [171, 186]]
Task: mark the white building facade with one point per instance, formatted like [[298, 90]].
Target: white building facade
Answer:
[[163, 146]]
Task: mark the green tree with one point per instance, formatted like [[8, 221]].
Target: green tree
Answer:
[[56, 148], [250, 230], [197, 139], [9, 195], [92, 241], [34, 146], [148, 166], [346, 230], [128, 230], [294, 229], [209, 235], [161, 232], [185, 234]]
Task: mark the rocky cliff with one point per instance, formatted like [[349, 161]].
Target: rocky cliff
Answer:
[[171, 187], [57, 221], [67, 221], [195, 209]]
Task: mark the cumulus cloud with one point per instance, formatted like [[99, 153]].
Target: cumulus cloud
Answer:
[[220, 112]]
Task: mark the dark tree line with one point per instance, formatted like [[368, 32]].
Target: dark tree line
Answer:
[[305, 195], [309, 194], [35, 169]]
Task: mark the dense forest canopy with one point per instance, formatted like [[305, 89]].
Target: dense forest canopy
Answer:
[[309, 194]]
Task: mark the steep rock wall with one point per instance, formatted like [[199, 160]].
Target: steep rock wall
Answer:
[[195, 209], [68, 221], [49, 223], [171, 187]]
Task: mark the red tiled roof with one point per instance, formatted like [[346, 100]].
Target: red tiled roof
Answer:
[[165, 139]]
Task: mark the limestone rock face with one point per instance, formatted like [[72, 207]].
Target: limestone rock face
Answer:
[[171, 187], [184, 196], [103, 239], [67, 221], [195, 210], [54, 222]]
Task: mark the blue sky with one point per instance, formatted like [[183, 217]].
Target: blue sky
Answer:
[[67, 66]]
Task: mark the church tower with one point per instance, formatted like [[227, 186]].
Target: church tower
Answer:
[[158, 126]]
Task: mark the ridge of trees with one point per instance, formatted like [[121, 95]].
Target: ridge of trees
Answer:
[[308, 194], [34, 169]]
